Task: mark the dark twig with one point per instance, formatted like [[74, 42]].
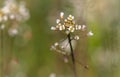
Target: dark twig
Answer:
[[72, 55]]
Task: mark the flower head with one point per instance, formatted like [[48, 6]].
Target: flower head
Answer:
[[15, 10], [67, 25], [12, 14]]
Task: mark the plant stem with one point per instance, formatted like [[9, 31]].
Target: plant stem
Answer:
[[72, 54], [2, 53]]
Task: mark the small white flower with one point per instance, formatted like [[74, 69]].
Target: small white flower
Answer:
[[83, 27], [70, 17], [76, 37], [56, 44], [13, 32], [60, 28], [63, 26], [57, 21], [73, 17], [61, 14], [72, 29], [53, 28], [78, 27], [12, 16], [90, 33], [65, 20]]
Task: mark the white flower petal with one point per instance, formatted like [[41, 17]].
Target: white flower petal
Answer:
[[76, 37], [60, 28], [83, 27], [53, 28], [57, 21], [12, 16], [13, 32], [62, 14], [56, 44], [90, 33], [78, 27]]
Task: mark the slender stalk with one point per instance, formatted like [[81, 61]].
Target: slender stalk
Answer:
[[72, 55], [0, 55], [2, 52]]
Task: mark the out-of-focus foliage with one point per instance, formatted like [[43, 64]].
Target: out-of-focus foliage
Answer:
[[31, 56]]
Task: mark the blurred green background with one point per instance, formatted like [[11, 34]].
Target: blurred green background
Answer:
[[31, 56]]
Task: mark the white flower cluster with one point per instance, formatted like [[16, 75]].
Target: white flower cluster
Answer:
[[13, 10], [68, 25], [15, 13]]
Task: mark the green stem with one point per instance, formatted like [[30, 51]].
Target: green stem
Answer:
[[2, 52]]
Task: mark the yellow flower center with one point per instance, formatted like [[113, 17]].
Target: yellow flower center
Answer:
[[69, 23]]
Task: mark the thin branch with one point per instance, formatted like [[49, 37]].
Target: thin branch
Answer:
[[72, 55]]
